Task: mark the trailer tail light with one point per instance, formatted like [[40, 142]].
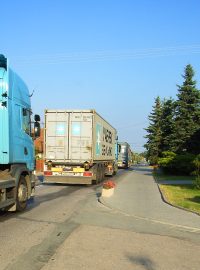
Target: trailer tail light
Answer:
[[110, 167], [87, 174], [47, 173]]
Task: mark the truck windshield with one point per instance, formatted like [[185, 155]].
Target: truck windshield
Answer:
[[123, 149]]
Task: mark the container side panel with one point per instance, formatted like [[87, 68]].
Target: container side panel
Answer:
[[56, 136], [104, 138]]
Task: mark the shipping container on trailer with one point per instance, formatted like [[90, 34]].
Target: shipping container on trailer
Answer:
[[124, 155], [79, 147]]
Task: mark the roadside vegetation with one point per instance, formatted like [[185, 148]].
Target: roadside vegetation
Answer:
[[161, 177], [185, 196], [138, 157], [173, 142]]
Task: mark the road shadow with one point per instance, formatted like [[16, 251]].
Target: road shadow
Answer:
[[144, 170], [39, 199], [66, 191], [143, 261]]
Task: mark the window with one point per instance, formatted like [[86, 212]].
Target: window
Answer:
[[123, 149], [26, 121]]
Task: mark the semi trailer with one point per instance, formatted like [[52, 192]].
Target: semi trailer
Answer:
[[17, 181], [124, 155], [79, 147]]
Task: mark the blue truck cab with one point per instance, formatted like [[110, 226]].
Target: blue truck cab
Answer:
[[17, 162]]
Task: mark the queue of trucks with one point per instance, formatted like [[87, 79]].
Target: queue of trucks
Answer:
[[124, 158], [80, 147]]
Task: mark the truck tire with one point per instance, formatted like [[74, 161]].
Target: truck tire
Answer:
[[98, 175], [22, 194], [102, 172]]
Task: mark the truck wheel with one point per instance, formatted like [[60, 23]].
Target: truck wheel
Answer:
[[102, 173], [98, 175], [22, 194]]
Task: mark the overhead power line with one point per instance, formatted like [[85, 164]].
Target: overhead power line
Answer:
[[133, 125], [78, 57]]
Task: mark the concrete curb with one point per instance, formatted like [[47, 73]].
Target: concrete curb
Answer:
[[149, 219], [106, 204], [173, 205]]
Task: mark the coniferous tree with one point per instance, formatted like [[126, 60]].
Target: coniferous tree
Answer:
[[193, 143], [167, 125], [153, 136], [187, 120]]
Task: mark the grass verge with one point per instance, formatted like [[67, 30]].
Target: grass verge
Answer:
[[162, 177], [184, 196]]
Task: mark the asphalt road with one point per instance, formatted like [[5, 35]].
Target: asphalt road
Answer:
[[65, 227]]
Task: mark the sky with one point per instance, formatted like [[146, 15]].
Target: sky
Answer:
[[114, 56]]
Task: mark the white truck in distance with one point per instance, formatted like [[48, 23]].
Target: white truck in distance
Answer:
[[80, 147]]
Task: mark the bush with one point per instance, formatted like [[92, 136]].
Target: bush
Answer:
[[177, 164], [153, 161], [196, 163], [197, 182], [166, 162], [184, 163], [196, 172]]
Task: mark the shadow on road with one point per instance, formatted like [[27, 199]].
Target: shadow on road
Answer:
[[145, 262], [39, 199], [143, 170]]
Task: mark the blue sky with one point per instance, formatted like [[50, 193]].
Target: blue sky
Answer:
[[114, 56]]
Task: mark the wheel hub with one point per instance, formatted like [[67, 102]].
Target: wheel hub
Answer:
[[22, 193]]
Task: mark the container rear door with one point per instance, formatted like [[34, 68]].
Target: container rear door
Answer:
[[56, 136], [80, 139]]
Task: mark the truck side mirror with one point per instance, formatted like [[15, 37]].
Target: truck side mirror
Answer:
[[3, 61], [119, 148], [37, 129], [37, 118]]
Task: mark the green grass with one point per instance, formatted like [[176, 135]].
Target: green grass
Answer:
[[184, 196], [162, 177]]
